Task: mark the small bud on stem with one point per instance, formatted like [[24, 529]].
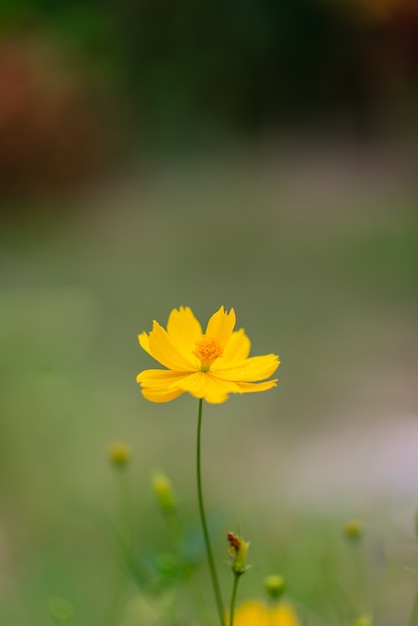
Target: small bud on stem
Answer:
[[237, 551], [164, 492], [275, 586], [119, 454]]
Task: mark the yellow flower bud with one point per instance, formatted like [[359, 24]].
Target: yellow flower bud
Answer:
[[119, 454], [275, 586], [164, 492], [354, 529]]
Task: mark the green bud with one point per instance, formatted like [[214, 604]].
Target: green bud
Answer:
[[164, 493], [238, 550], [275, 586], [354, 529], [119, 454]]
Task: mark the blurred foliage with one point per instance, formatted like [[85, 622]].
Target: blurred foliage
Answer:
[[195, 67], [86, 85]]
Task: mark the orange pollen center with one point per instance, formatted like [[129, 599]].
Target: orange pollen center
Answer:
[[207, 351]]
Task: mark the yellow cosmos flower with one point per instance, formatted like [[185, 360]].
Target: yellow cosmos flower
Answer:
[[208, 365], [254, 613]]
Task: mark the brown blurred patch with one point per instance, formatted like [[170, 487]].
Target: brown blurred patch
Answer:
[[390, 10], [51, 134], [386, 50]]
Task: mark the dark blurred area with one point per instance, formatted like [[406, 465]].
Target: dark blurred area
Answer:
[[85, 86]]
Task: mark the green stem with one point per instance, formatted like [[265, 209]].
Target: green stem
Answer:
[[126, 542], [174, 529], [127, 508], [413, 620], [113, 600], [212, 568], [233, 597], [361, 576]]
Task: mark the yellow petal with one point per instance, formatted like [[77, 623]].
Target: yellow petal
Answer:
[[253, 387], [218, 389], [216, 398], [195, 384], [143, 339], [236, 350], [221, 325], [157, 385], [251, 613], [249, 370], [254, 613], [166, 352], [203, 385], [159, 377], [184, 329], [156, 394], [283, 615]]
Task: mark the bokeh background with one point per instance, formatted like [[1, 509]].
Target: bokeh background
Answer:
[[260, 155]]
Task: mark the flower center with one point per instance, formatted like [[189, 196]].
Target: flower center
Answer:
[[207, 351]]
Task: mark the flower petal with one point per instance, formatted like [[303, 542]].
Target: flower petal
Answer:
[[195, 384], [252, 612], [249, 370], [143, 339], [218, 390], [184, 329], [216, 398], [157, 385], [159, 377], [168, 353], [253, 387], [221, 325], [236, 350], [160, 394], [283, 613], [204, 385]]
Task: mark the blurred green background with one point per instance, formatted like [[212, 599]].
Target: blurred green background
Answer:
[[258, 155]]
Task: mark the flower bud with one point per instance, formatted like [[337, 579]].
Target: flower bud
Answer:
[[164, 492], [275, 586], [353, 530], [119, 454], [238, 549]]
